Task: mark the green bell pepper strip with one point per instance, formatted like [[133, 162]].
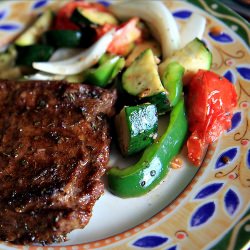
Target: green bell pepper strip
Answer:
[[172, 82], [106, 72], [105, 57], [153, 166]]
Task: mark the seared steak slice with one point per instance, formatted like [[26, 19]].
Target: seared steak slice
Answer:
[[54, 148]]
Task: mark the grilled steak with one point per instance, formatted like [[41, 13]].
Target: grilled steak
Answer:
[[54, 149]]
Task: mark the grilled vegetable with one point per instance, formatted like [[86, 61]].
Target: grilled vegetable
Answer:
[[105, 58], [63, 38], [125, 36], [161, 101], [211, 99], [62, 20], [141, 78], [32, 34], [172, 82], [136, 127], [88, 16], [37, 52], [139, 48], [157, 17], [106, 72], [80, 62], [148, 172], [192, 57]]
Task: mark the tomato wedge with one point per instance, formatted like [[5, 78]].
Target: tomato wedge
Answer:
[[126, 34], [125, 37], [211, 99], [102, 30], [62, 20]]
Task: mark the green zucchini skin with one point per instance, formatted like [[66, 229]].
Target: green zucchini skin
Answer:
[[161, 101], [172, 82], [63, 38], [136, 127], [194, 56], [34, 53], [141, 78], [85, 17], [32, 35], [150, 170]]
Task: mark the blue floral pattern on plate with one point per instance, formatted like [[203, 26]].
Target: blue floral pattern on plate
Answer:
[[231, 202], [39, 4], [150, 241], [182, 14], [172, 248], [222, 37], [9, 27], [226, 157], [230, 76], [236, 119], [248, 159], [244, 72], [209, 190], [3, 13], [202, 214]]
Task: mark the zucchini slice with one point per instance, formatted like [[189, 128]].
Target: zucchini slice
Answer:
[[172, 82], [194, 56], [139, 48], [63, 38], [136, 127], [37, 52], [141, 78], [161, 101], [32, 34], [87, 16]]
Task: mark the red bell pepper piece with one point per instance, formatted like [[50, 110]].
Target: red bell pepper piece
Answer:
[[211, 99]]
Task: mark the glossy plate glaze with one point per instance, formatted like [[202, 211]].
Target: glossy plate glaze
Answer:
[[205, 208]]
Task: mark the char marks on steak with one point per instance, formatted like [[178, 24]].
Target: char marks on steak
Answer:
[[54, 149]]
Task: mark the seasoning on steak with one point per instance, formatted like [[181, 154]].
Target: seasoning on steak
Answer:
[[54, 149]]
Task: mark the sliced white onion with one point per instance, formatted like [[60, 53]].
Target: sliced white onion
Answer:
[[158, 18], [80, 62], [194, 27], [44, 77], [64, 53]]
